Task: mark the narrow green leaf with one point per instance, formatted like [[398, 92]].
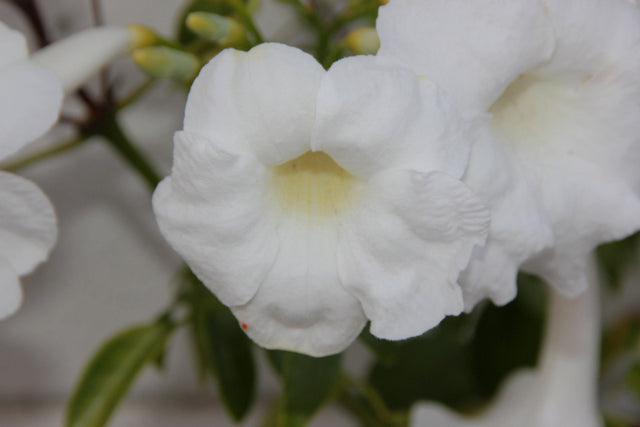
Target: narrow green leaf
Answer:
[[222, 349], [112, 370], [228, 351], [307, 381]]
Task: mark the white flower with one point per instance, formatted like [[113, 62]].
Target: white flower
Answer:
[[558, 83], [310, 201], [562, 391], [31, 92], [30, 98]]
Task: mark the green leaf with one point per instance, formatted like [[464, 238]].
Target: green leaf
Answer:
[[509, 337], [462, 361], [308, 382], [434, 366], [222, 349], [112, 370], [228, 351]]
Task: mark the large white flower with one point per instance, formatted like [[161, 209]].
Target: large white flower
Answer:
[[31, 92], [558, 83], [562, 391], [310, 201]]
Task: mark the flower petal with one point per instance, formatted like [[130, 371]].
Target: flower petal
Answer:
[[511, 405], [302, 306], [13, 46], [78, 57], [372, 116], [472, 49], [10, 290], [260, 102], [588, 207], [30, 99], [520, 227], [598, 61], [591, 34], [401, 257], [212, 210], [28, 228]]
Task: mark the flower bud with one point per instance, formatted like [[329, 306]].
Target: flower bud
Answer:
[[216, 28], [363, 41], [165, 62], [142, 36]]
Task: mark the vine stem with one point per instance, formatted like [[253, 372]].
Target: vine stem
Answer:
[[44, 154], [111, 130], [364, 402], [247, 19]]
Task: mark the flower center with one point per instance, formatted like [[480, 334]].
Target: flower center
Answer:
[[533, 111], [313, 185]]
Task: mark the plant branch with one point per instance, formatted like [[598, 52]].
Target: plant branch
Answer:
[[111, 130], [44, 154]]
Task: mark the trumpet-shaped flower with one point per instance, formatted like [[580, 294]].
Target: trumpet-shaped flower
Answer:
[[310, 201], [561, 391], [30, 99], [558, 85]]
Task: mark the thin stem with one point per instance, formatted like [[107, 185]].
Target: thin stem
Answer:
[[359, 410], [351, 15], [247, 19], [111, 130], [31, 11], [365, 402], [44, 154], [136, 93]]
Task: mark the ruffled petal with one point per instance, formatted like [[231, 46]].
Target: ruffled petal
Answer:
[[372, 116], [301, 305], [260, 102], [472, 49], [30, 99], [10, 290], [13, 46], [213, 211], [520, 227], [28, 228], [401, 257]]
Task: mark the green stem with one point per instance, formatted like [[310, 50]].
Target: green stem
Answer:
[[359, 410], [247, 19], [111, 130], [351, 15], [365, 402], [50, 152], [136, 93]]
